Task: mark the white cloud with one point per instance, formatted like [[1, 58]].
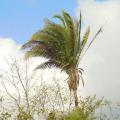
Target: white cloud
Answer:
[[102, 60], [8, 46], [9, 49]]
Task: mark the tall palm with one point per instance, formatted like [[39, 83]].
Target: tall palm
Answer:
[[62, 45]]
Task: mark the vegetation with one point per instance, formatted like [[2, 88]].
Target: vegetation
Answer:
[[85, 111], [63, 45], [33, 100]]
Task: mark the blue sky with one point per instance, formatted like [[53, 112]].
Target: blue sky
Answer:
[[19, 19]]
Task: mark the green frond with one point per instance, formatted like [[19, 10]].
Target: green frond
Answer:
[[78, 46], [60, 18], [32, 44], [30, 54], [85, 39], [79, 33], [36, 51], [95, 36], [52, 39], [67, 18], [71, 34], [41, 36], [98, 32], [59, 40], [48, 64]]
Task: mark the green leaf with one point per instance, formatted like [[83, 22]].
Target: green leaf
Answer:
[[60, 18], [85, 39]]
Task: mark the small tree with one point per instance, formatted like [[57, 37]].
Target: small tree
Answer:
[[29, 97]]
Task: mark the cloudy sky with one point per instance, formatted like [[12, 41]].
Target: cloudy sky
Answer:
[[19, 19]]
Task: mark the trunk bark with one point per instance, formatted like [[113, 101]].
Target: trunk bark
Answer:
[[73, 83], [76, 98]]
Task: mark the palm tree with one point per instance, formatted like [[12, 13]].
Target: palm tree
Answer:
[[63, 46]]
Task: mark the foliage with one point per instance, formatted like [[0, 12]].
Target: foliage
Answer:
[[30, 97], [85, 111], [24, 115], [52, 101], [51, 116], [62, 44], [5, 116]]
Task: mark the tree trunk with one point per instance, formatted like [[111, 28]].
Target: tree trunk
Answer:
[[76, 98], [73, 83]]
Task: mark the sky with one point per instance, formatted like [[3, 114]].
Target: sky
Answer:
[[19, 19], [101, 62]]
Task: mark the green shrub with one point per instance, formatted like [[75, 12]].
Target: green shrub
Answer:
[[86, 109], [5, 116], [23, 115]]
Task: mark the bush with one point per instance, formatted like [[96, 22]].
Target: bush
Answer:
[[5, 116], [85, 111]]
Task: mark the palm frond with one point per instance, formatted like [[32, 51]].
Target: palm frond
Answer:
[[70, 28], [30, 54], [83, 45], [96, 35], [52, 37], [78, 51], [32, 44], [59, 41], [36, 51], [82, 80], [47, 64], [60, 18], [85, 38], [72, 41], [79, 33]]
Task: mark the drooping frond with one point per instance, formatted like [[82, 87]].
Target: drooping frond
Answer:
[[32, 44], [55, 37], [48, 64], [59, 42], [32, 53]]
